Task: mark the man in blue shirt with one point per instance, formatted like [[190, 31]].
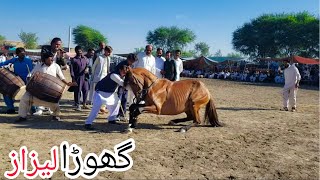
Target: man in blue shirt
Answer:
[[22, 66]]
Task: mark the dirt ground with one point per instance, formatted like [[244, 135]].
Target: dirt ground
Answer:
[[258, 141]]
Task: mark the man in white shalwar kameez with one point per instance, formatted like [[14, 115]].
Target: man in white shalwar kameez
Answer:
[[179, 64], [144, 60], [292, 78], [159, 63], [106, 94], [47, 67]]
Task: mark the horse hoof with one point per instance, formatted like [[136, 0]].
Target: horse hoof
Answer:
[[171, 123], [128, 131], [182, 130]]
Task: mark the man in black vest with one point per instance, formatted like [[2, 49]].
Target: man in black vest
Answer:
[[123, 93], [106, 93]]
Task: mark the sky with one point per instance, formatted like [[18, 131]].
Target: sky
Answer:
[[125, 23]]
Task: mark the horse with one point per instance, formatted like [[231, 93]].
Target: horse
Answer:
[[164, 97]]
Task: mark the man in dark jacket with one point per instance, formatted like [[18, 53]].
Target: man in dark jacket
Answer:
[[169, 67]]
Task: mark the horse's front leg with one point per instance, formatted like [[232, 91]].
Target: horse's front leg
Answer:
[[135, 111], [149, 109]]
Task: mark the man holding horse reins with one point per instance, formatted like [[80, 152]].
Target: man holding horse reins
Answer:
[[106, 94], [122, 92]]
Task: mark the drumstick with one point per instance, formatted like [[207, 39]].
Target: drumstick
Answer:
[[28, 70], [122, 110]]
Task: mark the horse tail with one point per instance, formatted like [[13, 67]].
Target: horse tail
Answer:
[[211, 114]]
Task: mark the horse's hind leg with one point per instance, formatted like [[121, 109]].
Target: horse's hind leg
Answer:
[[196, 119], [176, 121]]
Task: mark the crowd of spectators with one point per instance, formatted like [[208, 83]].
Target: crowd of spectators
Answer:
[[309, 74]]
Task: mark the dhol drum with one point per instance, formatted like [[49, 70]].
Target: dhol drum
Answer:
[[11, 85], [46, 87]]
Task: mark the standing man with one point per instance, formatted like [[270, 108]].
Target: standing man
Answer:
[[179, 64], [22, 67], [146, 60], [100, 69], [170, 71], [56, 49], [78, 70], [159, 63], [90, 56], [292, 78], [99, 51]]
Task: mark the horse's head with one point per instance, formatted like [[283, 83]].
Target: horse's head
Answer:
[[135, 81], [140, 80]]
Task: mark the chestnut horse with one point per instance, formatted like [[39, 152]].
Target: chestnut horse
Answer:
[[164, 97]]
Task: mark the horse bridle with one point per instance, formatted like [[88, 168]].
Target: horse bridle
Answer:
[[143, 91]]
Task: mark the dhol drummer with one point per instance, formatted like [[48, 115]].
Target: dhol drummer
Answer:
[[22, 66], [59, 57], [48, 66]]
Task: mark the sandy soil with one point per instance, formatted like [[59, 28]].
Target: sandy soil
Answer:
[[257, 141]]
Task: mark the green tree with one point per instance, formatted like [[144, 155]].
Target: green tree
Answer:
[[235, 55], [2, 39], [218, 53], [29, 40], [202, 49], [87, 37], [137, 50], [170, 38], [276, 35], [190, 53]]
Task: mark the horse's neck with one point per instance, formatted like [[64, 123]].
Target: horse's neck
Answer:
[[149, 79]]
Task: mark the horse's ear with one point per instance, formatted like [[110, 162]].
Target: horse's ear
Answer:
[[126, 78], [129, 68]]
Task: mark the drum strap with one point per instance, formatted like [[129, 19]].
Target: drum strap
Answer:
[[30, 101], [31, 97]]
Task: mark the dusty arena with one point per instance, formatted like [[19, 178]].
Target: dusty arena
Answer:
[[257, 141]]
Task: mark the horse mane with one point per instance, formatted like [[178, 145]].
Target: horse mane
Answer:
[[145, 73]]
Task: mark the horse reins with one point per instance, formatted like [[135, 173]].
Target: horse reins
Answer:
[[143, 91]]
